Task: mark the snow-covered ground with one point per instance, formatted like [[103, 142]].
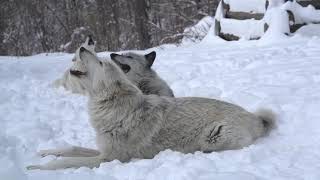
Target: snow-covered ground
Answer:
[[283, 75]]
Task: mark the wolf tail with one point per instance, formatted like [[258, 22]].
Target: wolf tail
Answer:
[[268, 119]]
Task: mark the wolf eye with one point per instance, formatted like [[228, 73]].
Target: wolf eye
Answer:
[[73, 59], [100, 63], [130, 57], [125, 68]]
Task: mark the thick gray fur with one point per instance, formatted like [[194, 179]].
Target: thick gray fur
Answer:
[[129, 124], [142, 76]]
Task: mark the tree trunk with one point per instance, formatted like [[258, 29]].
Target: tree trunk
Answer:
[[141, 23]]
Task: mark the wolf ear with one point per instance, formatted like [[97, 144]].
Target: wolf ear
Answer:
[[150, 58], [114, 55], [125, 67]]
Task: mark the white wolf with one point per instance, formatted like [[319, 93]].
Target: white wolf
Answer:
[[136, 67], [129, 124]]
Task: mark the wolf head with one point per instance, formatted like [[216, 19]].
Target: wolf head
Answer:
[[89, 44], [138, 69], [81, 66], [101, 77], [135, 66]]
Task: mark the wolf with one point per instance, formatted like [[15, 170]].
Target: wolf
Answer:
[[129, 124], [137, 68]]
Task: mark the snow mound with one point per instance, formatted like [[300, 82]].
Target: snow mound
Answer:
[[310, 30]]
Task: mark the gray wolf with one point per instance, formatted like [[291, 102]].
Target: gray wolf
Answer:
[[136, 67], [129, 124], [138, 70]]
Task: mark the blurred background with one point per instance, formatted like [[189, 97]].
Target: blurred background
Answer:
[[35, 26]]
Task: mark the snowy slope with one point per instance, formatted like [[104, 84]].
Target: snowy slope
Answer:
[[282, 75]]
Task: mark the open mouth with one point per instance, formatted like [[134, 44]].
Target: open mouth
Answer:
[[77, 73]]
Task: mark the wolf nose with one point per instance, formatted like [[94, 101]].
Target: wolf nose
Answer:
[[82, 49], [113, 55]]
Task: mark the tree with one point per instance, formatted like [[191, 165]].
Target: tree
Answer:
[[142, 23], [35, 26]]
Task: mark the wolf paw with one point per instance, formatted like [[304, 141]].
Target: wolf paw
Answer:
[[44, 153], [33, 167]]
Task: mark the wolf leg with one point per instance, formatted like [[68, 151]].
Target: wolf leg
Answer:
[[70, 162], [74, 151]]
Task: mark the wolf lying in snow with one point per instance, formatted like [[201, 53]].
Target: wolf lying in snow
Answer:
[[129, 124], [136, 67]]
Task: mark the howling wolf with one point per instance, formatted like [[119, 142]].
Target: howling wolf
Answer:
[[136, 67], [70, 82], [129, 124]]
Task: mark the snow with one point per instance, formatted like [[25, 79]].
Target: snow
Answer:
[[311, 30], [246, 29], [303, 14], [278, 22], [219, 12], [282, 75], [276, 17]]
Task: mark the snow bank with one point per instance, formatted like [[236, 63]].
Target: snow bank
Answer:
[[311, 30]]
